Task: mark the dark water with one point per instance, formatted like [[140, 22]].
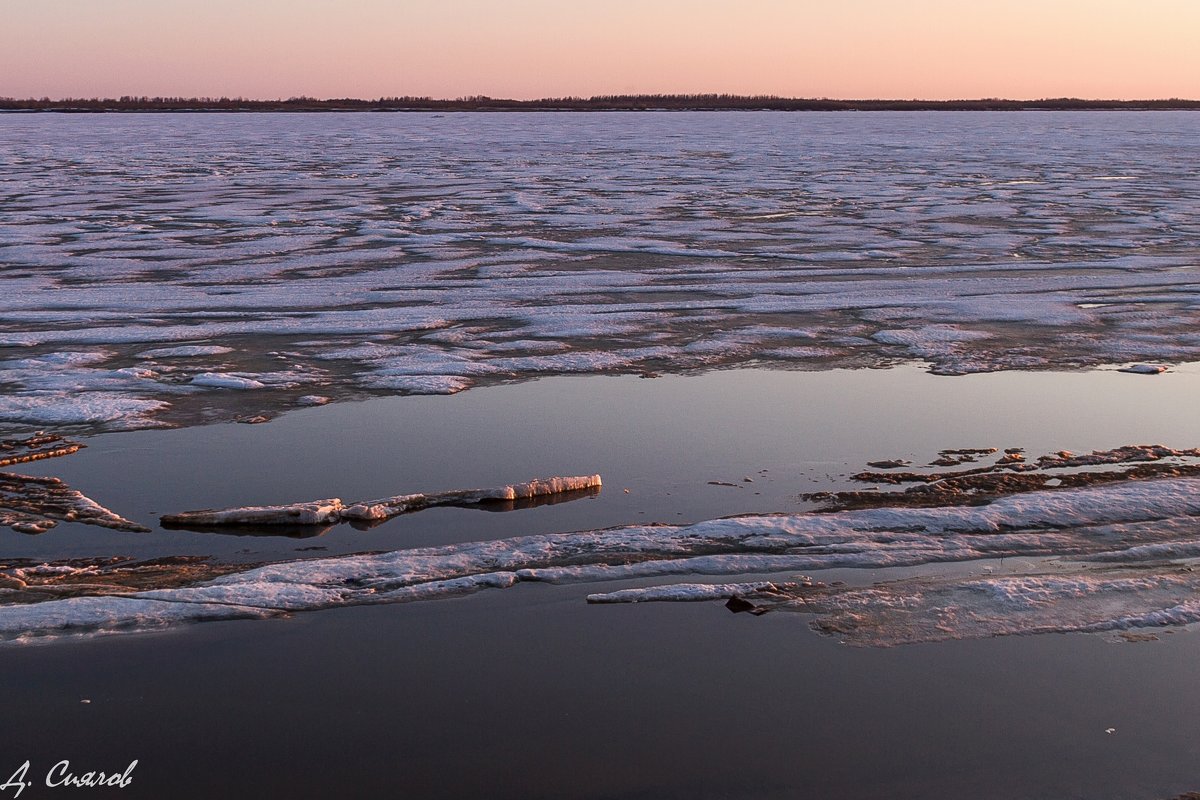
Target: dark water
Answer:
[[663, 439], [535, 694], [530, 692]]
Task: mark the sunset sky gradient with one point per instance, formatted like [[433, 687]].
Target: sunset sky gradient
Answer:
[[536, 48]]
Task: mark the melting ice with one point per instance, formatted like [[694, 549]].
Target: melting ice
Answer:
[[1129, 547], [154, 266]]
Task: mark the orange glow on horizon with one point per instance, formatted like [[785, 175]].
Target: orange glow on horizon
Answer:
[[935, 49]]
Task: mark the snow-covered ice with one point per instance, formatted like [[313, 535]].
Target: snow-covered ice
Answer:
[[186, 351], [424, 254], [1126, 535], [222, 380], [334, 510]]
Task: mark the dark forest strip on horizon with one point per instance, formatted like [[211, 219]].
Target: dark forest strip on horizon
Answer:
[[663, 102]]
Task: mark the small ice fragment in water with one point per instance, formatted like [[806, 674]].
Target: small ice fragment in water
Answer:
[[312, 400], [1110, 730], [894, 463]]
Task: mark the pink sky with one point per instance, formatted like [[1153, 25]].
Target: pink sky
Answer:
[[537, 48]]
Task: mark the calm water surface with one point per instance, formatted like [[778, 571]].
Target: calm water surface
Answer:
[[532, 693]]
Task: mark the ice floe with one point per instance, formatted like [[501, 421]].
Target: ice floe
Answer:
[[934, 609], [186, 351], [80, 408], [1011, 473], [1107, 525], [334, 510], [226, 381], [36, 448], [35, 504]]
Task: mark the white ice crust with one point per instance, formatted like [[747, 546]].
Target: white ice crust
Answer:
[[650, 242]]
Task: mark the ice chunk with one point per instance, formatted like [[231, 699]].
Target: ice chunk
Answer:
[[316, 512], [186, 351], [1145, 369], [331, 511], [683, 592], [222, 380], [77, 616], [79, 408], [417, 384], [34, 504]]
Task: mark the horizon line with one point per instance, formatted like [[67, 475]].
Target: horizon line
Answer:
[[591, 98], [606, 102]]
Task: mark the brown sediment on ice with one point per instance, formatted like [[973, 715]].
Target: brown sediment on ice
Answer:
[[1012, 474], [31, 504], [333, 510], [35, 448], [34, 504], [23, 581], [965, 455]]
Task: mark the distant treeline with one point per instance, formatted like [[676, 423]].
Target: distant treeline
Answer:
[[632, 102]]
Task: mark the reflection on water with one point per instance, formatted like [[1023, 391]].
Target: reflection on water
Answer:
[[522, 503], [663, 440], [536, 685]]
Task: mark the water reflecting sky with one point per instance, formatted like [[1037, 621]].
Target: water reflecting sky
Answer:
[[663, 439]]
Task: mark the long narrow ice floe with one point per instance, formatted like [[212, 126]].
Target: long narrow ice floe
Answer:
[[334, 510], [1109, 524], [934, 609]]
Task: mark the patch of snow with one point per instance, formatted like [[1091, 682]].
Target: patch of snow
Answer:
[[224, 380], [186, 351], [79, 408], [417, 384]]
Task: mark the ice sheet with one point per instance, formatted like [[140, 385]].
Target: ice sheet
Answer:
[[424, 254]]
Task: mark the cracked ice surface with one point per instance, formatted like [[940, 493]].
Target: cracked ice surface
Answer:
[[1129, 532], [937, 609], [142, 255]]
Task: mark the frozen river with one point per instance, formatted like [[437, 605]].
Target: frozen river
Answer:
[[179, 267], [897, 537]]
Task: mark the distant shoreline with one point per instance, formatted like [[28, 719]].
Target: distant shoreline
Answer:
[[710, 102]]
